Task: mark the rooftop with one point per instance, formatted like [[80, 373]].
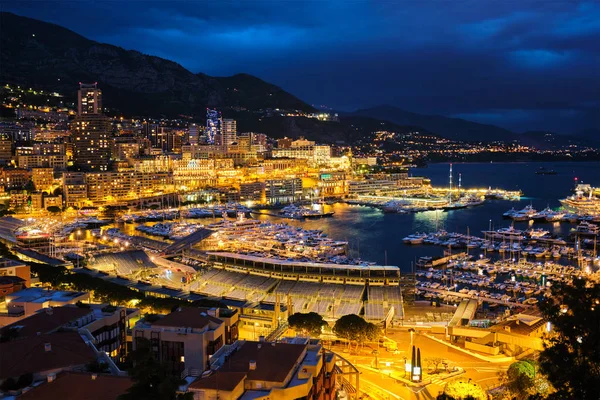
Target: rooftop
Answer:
[[226, 381], [10, 280], [41, 295], [267, 260], [187, 317], [274, 361], [47, 320], [80, 386], [7, 262], [65, 349]]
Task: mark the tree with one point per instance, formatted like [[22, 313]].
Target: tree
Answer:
[[434, 362], [571, 357], [520, 378], [309, 324], [462, 389], [151, 379], [54, 209], [356, 329]]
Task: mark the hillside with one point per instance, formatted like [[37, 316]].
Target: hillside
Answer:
[[50, 57], [350, 129], [451, 128]]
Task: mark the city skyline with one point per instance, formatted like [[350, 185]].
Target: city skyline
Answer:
[[526, 66]]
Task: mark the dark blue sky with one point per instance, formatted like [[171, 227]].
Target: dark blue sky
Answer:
[[515, 63]]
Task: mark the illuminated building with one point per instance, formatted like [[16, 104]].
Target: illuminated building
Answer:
[[187, 337], [284, 143], [252, 191], [228, 132], [42, 177], [57, 161], [91, 131], [370, 161], [214, 125], [89, 99], [193, 136], [283, 190], [125, 148], [10, 267], [20, 131], [107, 187], [195, 173], [293, 368], [74, 188], [332, 184], [49, 148], [281, 165], [15, 178], [91, 147], [162, 163], [5, 149]]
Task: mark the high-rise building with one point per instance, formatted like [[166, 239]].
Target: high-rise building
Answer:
[[5, 149], [214, 125], [91, 130], [193, 136], [228, 132], [91, 142], [89, 99]]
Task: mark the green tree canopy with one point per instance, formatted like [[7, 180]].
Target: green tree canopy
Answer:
[[463, 388], [150, 377], [309, 323], [571, 358], [355, 328]]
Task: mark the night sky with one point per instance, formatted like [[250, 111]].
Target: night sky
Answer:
[[514, 63]]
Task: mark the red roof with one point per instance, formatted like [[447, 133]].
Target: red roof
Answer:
[[187, 317], [46, 321], [80, 386], [29, 355]]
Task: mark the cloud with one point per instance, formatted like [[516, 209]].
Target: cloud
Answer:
[[479, 58]]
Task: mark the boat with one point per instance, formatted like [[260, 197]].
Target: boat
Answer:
[[536, 233], [586, 228], [506, 233], [525, 214], [583, 201]]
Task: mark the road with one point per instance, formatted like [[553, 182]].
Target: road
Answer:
[[482, 372]]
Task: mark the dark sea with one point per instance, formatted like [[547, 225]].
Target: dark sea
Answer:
[[375, 236]]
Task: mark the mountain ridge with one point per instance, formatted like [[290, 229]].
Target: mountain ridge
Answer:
[[448, 127], [51, 57]]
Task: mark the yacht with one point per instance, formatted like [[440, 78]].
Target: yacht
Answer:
[[506, 233], [525, 214], [583, 201], [586, 228]]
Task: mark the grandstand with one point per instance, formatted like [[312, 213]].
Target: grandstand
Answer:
[[374, 311], [353, 292], [125, 263], [347, 308], [332, 290], [376, 294]]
